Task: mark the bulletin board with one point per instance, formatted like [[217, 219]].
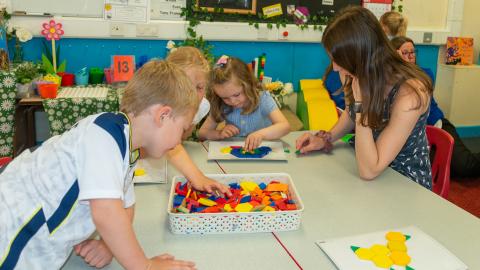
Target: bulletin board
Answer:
[[326, 8]]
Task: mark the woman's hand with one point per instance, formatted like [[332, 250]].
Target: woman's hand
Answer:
[[309, 142]]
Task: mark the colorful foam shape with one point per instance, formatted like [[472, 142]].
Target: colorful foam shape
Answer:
[[382, 261], [243, 207], [249, 185], [364, 253], [400, 258], [259, 152], [397, 246], [206, 202], [395, 236]]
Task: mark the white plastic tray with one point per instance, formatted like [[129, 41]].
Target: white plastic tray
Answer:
[[236, 222]]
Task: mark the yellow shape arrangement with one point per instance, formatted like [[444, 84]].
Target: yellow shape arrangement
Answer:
[[384, 256]]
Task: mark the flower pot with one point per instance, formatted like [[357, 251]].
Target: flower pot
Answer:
[[68, 79], [81, 77], [48, 90], [24, 90], [96, 76]]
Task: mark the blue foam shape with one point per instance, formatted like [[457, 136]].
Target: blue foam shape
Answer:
[[260, 152], [177, 200], [234, 185], [262, 186], [245, 199]]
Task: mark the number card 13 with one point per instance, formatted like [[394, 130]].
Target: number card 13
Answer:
[[123, 67]]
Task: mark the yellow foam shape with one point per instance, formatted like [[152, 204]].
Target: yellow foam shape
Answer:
[[380, 249], [308, 83], [268, 209], [364, 253], [314, 94], [139, 172], [395, 236], [206, 202], [226, 150], [249, 186], [322, 114], [244, 192], [227, 207], [397, 246], [400, 258], [243, 207], [382, 261]]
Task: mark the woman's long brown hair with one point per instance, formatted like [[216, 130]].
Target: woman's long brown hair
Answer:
[[356, 42]]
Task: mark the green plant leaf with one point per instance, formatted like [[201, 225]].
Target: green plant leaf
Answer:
[[47, 65], [63, 66]]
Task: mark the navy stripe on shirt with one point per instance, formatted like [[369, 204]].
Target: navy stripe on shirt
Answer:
[[113, 123]]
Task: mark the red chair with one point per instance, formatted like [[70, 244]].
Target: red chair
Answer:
[[4, 161], [441, 143]]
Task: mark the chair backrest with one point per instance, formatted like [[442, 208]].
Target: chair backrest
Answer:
[[4, 161], [442, 144]]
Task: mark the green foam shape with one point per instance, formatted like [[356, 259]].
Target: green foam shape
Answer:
[[407, 237], [347, 137], [354, 248], [409, 268]]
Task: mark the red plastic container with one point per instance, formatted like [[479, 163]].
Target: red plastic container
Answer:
[[68, 79], [48, 90]]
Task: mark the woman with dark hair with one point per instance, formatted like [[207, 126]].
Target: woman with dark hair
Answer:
[[464, 162], [387, 100]]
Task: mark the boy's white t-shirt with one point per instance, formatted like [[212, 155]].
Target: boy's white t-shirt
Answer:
[[203, 110], [44, 194]]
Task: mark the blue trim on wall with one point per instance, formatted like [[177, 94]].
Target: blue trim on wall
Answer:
[[468, 131], [288, 62]]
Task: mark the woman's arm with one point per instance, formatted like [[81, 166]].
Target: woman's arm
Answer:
[[309, 142], [374, 156]]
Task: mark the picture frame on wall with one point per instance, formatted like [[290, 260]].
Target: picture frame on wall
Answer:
[[230, 6]]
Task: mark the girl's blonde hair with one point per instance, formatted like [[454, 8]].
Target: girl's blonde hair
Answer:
[[237, 70], [159, 82], [394, 24], [189, 57]]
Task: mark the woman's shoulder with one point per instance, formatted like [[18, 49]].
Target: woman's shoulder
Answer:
[[413, 95]]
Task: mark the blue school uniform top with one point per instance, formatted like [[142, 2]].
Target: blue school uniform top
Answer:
[[256, 120], [333, 84], [435, 112]]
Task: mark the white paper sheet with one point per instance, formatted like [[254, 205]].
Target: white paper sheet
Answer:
[[215, 153], [425, 252], [155, 171]]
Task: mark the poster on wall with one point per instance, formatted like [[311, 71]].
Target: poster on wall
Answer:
[[126, 10], [167, 9], [230, 6]]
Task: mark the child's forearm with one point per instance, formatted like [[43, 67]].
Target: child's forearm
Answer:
[[209, 134], [275, 131], [114, 225], [184, 164]]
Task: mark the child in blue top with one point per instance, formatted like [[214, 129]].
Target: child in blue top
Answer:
[[236, 98], [54, 198]]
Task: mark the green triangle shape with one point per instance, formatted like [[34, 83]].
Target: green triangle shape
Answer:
[[354, 248], [347, 137], [408, 268], [407, 237]]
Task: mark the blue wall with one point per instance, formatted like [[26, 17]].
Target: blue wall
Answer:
[[288, 62]]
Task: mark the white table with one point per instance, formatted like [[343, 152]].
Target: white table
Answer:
[[337, 203], [228, 251]]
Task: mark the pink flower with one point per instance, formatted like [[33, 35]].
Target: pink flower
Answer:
[[52, 30]]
